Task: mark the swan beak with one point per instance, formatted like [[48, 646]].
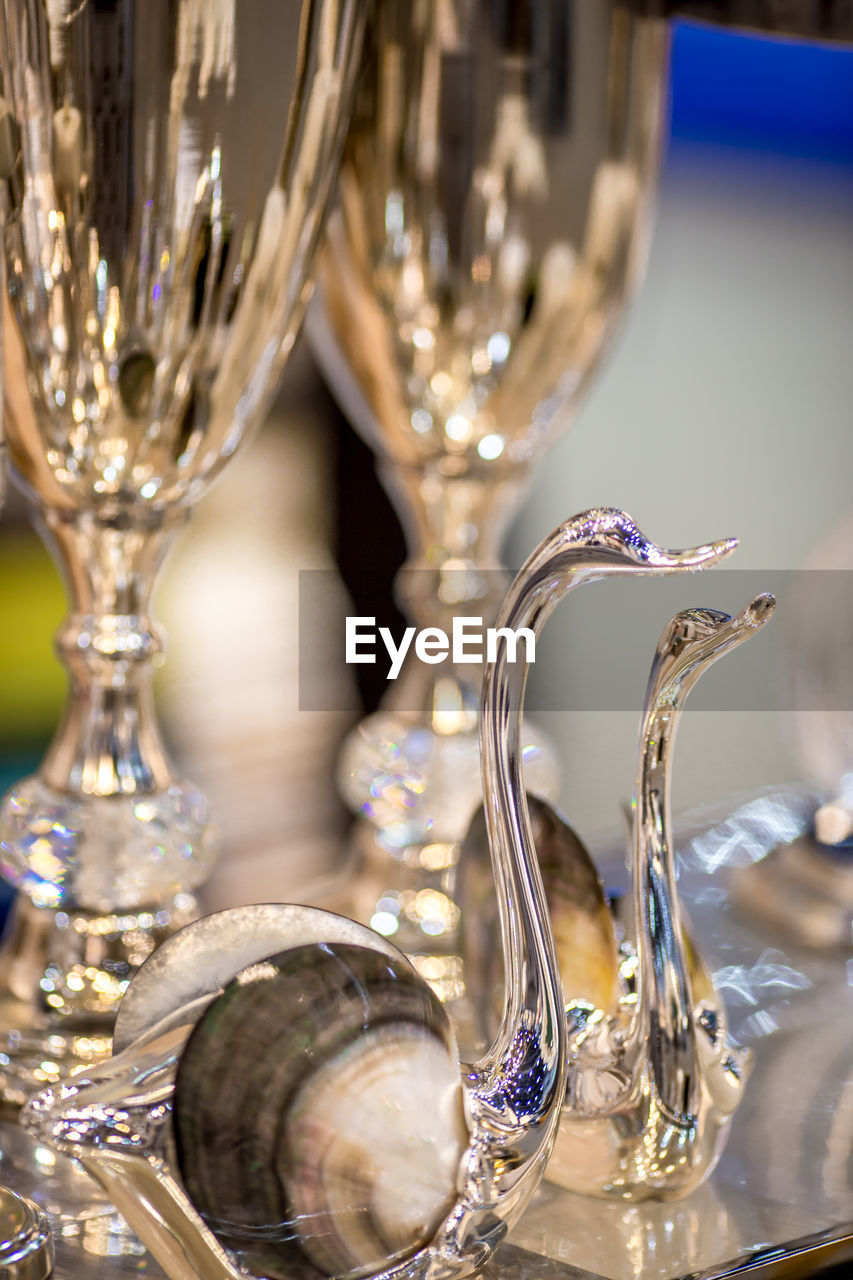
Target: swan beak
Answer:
[[732, 631], [760, 611], [697, 557]]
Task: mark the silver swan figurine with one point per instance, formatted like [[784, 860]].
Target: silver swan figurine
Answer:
[[652, 1081], [602, 542]]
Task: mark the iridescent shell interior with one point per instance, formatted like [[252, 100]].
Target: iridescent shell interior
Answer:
[[318, 1113]]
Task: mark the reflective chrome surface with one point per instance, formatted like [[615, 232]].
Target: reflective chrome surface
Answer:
[[494, 200], [157, 250], [777, 1205], [804, 888]]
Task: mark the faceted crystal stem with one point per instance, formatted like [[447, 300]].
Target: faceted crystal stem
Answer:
[[412, 770], [108, 743], [455, 524], [105, 825]]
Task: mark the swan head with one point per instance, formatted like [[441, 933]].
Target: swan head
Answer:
[[695, 638], [613, 540], [713, 627], [598, 543]]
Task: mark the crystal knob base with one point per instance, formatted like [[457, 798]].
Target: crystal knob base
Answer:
[[104, 853], [415, 790]]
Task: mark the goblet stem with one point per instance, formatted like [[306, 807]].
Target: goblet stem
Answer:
[[453, 517], [108, 743], [104, 843], [455, 524], [105, 825], [412, 770]]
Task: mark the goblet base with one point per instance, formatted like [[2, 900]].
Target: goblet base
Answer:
[[63, 976], [410, 901], [802, 889], [417, 786], [416, 789], [110, 852]]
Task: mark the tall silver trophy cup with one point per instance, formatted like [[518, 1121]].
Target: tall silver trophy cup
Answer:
[[166, 167]]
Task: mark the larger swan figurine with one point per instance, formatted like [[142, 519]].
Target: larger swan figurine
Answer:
[[285, 1098]]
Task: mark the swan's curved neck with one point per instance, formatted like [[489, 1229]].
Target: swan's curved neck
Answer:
[[664, 1018], [533, 1001]]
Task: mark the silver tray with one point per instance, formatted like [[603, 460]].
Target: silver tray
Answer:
[[780, 1202]]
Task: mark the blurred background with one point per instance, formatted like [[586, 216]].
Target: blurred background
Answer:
[[724, 409]]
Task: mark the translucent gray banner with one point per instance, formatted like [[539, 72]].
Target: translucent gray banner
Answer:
[[596, 650]]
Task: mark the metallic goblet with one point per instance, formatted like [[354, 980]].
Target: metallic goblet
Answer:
[[166, 167], [494, 194]]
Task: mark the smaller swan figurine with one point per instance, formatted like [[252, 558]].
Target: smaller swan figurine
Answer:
[[652, 1080]]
